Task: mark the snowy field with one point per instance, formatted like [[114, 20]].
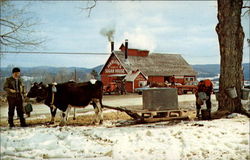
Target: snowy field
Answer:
[[222, 139]]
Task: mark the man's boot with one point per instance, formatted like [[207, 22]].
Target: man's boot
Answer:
[[198, 113], [209, 114], [28, 114], [11, 123], [23, 123]]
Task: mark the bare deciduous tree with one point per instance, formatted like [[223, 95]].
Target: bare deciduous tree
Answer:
[[94, 73], [231, 37], [17, 27]]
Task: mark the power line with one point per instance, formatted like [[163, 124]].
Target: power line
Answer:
[[78, 53]]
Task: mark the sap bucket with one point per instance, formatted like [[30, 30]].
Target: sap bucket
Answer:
[[231, 92], [245, 93], [202, 96], [216, 95]]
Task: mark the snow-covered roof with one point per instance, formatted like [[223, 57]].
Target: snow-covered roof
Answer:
[[132, 76], [156, 64]]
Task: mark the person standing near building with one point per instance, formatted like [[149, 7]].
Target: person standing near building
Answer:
[[172, 80], [203, 93], [123, 87], [14, 89]]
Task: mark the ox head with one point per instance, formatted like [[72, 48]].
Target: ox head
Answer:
[[38, 91]]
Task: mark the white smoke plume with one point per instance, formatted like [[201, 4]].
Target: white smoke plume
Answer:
[[140, 38], [109, 33]]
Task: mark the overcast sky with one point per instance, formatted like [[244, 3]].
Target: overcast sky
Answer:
[[187, 28]]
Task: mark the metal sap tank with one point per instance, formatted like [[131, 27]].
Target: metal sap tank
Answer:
[[156, 99]]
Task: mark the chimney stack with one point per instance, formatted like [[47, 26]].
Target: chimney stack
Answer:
[[112, 46], [126, 48]]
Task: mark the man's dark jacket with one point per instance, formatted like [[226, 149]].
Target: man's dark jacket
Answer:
[[10, 83]]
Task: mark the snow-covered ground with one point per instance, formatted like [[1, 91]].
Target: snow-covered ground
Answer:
[[221, 139]]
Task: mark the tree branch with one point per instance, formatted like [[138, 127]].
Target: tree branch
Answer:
[[4, 20], [6, 25], [89, 8], [17, 43], [248, 10], [17, 27], [245, 13]]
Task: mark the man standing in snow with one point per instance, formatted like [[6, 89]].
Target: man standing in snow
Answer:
[[205, 88], [14, 89]]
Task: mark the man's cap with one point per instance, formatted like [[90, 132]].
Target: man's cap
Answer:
[[16, 70]]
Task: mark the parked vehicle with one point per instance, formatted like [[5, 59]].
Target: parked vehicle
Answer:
[[184, 89], [181, 89], [111, 88]]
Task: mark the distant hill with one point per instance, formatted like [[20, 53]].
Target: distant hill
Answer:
[[212, 70], [206, 70], [48, 74], [36, 71], [97, 68]]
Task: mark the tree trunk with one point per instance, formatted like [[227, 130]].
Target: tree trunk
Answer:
[[231, 37]]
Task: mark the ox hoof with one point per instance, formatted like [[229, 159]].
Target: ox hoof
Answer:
[[101, 122], [51, 122], [97, 123], [62, 124]]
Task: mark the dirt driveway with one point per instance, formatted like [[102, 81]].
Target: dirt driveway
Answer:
[[41, 111]]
